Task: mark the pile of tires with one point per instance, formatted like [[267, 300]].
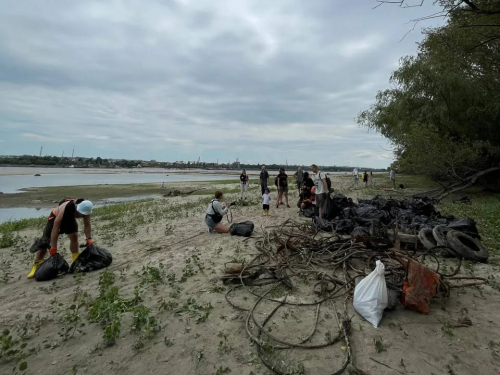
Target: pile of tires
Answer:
[[452, 242]]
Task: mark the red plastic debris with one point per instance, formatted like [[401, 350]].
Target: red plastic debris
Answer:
[[419, 287]]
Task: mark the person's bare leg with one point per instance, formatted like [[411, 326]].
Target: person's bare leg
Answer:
[[73, 245], [286, 199], [278, 200], [221, 228], [40, 254]]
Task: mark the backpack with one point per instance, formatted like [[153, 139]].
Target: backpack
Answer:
[[328, 182]]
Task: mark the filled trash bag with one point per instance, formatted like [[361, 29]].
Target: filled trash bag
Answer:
[[342, 201], [309, 211], [91, 259], [345, 226], [370, 295], [51, 268], [322, 225], [330, 209], [243, 229]]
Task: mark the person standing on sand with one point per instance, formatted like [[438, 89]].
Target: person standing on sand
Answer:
[[264, 176], [244, 184], [371, 178], [266, 197], [392, 175], [355, 174], [321, 186], [62, 220], [215, 213], [299, 177], [282, 183], [365, 179]]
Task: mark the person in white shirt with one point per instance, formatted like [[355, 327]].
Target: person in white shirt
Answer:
[[392, 175], [215, 213], [265, 202], [355, 174], [321, 186]]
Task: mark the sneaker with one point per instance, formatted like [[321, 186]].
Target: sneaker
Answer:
[[287, 206], [210, 230]]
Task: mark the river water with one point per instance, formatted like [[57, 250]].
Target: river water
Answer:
[[13, 179], [12, 183]]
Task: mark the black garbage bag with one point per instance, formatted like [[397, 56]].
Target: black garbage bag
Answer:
[[342, 201], [365, 214], [330, 209], [323, 225], [424, 206], [91, 259], [467, 226], [346, 213], [309, 211], [345, 226], [51, 268], [243, 229]]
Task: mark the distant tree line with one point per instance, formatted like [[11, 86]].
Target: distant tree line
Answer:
[[98, 162]]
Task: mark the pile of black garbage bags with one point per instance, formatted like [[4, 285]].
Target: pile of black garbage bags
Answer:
[[420, 226], [341, 214]]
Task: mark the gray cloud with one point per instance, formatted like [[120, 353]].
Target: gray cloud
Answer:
[[169, 80]]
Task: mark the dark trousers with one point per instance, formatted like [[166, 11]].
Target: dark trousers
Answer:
[[263, 186]]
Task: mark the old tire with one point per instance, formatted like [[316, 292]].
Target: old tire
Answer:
[[426, 238], [439, 232], [466, 246]]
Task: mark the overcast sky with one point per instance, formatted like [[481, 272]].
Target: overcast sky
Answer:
[[262, 81]]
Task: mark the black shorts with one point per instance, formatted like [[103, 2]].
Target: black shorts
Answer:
[[265, 207], [67, 227]]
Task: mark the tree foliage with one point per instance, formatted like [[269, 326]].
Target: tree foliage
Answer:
[[443, 112]]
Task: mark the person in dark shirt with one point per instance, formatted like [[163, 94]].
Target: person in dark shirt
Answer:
[[62, 220], [244, 184], [282, 183], [264, 176], [306, 197], [308, 182]]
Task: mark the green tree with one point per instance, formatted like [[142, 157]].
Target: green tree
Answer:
[[443, 111]]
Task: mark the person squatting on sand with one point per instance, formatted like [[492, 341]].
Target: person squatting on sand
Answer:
[[215, 213], [62, 220]]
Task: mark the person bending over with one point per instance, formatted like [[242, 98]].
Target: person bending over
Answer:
[[215, 213], [62, 220]]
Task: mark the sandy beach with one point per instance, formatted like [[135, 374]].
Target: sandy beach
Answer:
[[170, 233]]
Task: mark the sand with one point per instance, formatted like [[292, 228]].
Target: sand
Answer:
[[413, 343]]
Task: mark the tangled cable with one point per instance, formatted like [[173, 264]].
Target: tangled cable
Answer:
[[294, 259]]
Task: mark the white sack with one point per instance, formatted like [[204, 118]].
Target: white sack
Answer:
[[370, 295]]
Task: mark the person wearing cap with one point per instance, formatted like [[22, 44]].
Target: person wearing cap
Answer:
[[62, 220]]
